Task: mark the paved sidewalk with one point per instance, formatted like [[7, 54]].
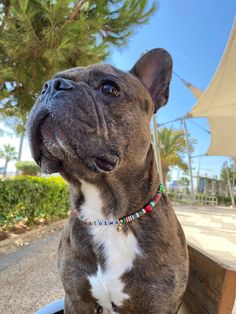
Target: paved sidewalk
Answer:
[[213, 229], [28, 275]]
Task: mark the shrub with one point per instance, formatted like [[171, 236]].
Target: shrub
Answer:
[[28, 168], [26, 198], [225, 200]]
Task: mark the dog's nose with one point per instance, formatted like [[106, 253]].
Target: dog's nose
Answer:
[[55, 85]]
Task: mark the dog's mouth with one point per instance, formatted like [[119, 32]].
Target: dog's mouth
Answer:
[[53, 149], [104, 163]]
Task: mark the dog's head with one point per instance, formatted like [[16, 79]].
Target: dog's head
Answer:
[[95, 119]]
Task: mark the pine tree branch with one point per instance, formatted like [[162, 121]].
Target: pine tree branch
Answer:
[[2, 85], [6, 4], [44, 37], [76, 10]]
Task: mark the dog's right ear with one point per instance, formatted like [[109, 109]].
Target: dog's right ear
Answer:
[[154, 70]]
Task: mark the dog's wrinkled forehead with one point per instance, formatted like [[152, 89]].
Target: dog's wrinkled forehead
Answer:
[[151, 74], [97, 73], [85, 73]]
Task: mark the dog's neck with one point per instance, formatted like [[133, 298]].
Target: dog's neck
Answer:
[[125, 191]]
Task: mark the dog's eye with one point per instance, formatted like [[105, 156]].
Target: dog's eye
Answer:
[[110, 89]]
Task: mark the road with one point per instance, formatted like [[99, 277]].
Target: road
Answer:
[[28, 276]]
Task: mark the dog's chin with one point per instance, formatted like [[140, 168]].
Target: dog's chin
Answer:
[[96, 165], [56, 154], [104, 163], [50, 147], [50, 166]]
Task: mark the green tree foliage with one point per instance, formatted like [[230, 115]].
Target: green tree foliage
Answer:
[[29, 168], [232, 174], [184, 181], [172, 150], [41, 37], [8, 153]]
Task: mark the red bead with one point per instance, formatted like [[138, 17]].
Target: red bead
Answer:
[[148, 208]]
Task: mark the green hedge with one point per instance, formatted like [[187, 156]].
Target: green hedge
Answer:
[[31, 198], [28, 168], [181, 198], [225, 200]]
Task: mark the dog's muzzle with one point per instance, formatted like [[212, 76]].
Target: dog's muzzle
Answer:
[[55, 136]]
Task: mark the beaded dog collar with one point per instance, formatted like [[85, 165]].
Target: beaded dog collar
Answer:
[[127, 219]]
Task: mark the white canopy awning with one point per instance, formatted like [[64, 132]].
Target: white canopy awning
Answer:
[[218, 103]]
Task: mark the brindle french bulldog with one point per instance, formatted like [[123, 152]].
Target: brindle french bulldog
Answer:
[[92, 126]]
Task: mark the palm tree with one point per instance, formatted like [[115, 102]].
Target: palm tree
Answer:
[[8, 153], [172, 150]]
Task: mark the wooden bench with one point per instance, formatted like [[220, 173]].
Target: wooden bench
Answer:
[[206, 200], [211, 287]]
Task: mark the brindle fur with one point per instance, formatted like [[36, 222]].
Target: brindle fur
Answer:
[[91, 123]]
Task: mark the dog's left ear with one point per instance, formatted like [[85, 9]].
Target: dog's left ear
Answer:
[[154, 70]]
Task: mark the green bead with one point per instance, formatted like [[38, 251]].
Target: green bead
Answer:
[[152, 204], [162, 188]]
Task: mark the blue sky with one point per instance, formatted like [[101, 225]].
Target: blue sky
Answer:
[[195, 33]]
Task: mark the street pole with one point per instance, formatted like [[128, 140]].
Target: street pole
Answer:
[[234, 169], [156, 147], [22, 135], [189, 159]]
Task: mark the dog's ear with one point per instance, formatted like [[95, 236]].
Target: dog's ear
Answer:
[[154, 70]]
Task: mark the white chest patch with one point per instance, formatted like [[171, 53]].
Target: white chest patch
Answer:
[[120, 251]]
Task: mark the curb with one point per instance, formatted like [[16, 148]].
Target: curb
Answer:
[[32, 234]]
